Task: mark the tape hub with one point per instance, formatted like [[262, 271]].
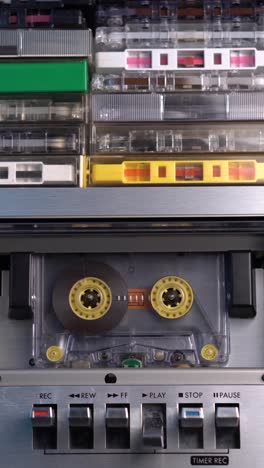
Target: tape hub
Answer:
[[172, 297], [90, 298]]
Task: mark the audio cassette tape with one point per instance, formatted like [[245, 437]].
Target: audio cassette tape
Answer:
[[130, 310], [203, 137], [118, 13], [162, 81], [129, 107], [45, 43], [42, 108], [59, 140], [177, 35], [118, 171], [20, 16]]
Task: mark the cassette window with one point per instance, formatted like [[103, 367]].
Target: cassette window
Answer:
[[104, 310]]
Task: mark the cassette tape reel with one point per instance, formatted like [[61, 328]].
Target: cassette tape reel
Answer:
[[92, 299], [132, 310], [171, 297]]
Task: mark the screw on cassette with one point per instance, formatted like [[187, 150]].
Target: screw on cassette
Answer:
[[90, 299]]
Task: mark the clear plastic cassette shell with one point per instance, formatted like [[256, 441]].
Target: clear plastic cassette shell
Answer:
[[38, 171], [178, 106], [43, 108], [46, 43], [173, 170], [22, 17], [162, 81], [177, 35], [118, 13], [237, 137], [37, 140], [143, 334]]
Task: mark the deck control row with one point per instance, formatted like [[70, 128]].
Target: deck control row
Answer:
[[154, 428]]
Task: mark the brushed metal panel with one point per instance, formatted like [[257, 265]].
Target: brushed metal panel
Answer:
[[16, 432], [142, 202], [63, 377]]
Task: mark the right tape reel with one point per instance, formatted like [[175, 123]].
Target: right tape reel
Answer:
[[171, 297]]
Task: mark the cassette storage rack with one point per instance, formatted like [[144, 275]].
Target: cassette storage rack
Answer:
[[172, 87], [45, 57], [131, 306]]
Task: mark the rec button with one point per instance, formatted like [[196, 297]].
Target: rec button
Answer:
[[43, 416], [217, 460]]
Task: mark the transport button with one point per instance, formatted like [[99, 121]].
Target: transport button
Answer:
[[154, 426], [117, 417], [191, 418], [227, 416], [80, 416], [43, 416]]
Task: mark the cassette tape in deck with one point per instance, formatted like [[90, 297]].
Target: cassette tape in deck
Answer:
[[130, 310]]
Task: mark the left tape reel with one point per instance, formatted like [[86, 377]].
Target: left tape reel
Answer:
[[90, 299]]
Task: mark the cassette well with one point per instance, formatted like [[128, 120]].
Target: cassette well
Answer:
[[164, 310]]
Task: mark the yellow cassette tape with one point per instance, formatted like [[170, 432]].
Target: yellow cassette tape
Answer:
[[111, 171]]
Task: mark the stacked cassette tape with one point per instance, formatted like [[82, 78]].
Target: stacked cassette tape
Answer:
[[45, 51], [178, 93]]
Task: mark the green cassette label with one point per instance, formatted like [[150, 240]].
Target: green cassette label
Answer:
[[38, 77]]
